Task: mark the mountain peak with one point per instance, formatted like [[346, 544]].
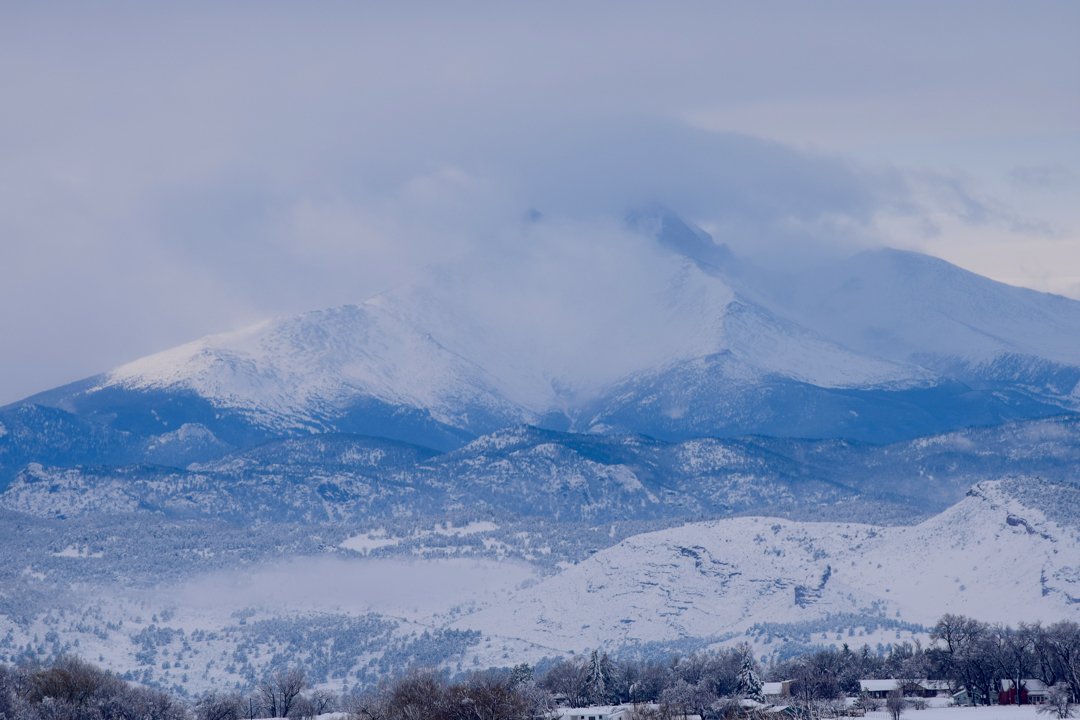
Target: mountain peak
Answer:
[[680, 236]]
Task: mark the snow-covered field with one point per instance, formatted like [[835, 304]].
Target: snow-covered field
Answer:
[[378, 538], [994, 712]]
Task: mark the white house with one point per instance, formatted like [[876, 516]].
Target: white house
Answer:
[[596, 712], [878, 688], [774, 691]]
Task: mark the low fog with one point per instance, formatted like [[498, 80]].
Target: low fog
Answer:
[[325, 584]]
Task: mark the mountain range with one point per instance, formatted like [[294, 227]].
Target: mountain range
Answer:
[[569, 477], [674, 448], [883, 347]]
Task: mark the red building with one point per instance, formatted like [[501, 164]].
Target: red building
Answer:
[[1032, 692]]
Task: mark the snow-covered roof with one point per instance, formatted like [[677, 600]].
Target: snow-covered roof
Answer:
[[1031, 685], [893, 684], [594, 711]]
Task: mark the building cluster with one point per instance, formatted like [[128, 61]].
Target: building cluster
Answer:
[[780, 702]]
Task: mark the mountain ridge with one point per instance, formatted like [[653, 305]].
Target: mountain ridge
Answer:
[[534, 472], [710, 346], [730, 577]]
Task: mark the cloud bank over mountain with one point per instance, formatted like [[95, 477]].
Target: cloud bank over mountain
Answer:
[[167, 176]]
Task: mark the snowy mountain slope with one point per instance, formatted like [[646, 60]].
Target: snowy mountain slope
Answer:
[[32, 433], [581, 478], [313, 372], [991, 556], [911, 307], [250, 588], [662, 333], [320, 478], [423, 350], [711, 396], [523, 471], [934, 472], [754, 382]]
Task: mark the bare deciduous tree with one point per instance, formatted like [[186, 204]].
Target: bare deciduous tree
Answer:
[[278, 693], [894, 704], [289, 686], [268, 697], [1058, 703], [213, 706], [302, 709]]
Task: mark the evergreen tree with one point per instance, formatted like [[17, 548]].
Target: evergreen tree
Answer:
[[520, 676], [749, 685], [596, 681], [611, 679]]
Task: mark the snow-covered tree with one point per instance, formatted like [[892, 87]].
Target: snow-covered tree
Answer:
[[520, 676], [599, 677], [1059, 703], [750, 686]]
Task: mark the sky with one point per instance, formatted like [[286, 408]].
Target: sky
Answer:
[[174, 171]]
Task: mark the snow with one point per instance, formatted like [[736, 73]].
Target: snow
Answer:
[[990, 557], [371, 541], [69, 493], [29, 571], [470, 528], [188, 432], [291, 372], [994, 712], [73, 551], [899, 304], [712, 578], [378, 538], [441, 346]]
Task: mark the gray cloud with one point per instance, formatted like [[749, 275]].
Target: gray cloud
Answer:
[[173, 172]]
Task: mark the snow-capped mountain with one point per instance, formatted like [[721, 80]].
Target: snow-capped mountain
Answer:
[[558, 399], [674, 339], [910, 307], [1008, 551]]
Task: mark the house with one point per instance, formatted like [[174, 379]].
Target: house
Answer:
[[963, 698], [1032, 692], [596, 712], [911, 688], [936, 688], [877, 688], [774, 691]]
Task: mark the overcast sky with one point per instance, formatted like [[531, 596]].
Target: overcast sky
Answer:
[[169, 173]]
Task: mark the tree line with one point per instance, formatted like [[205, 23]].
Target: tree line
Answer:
[[965, 653], [978, 656]]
